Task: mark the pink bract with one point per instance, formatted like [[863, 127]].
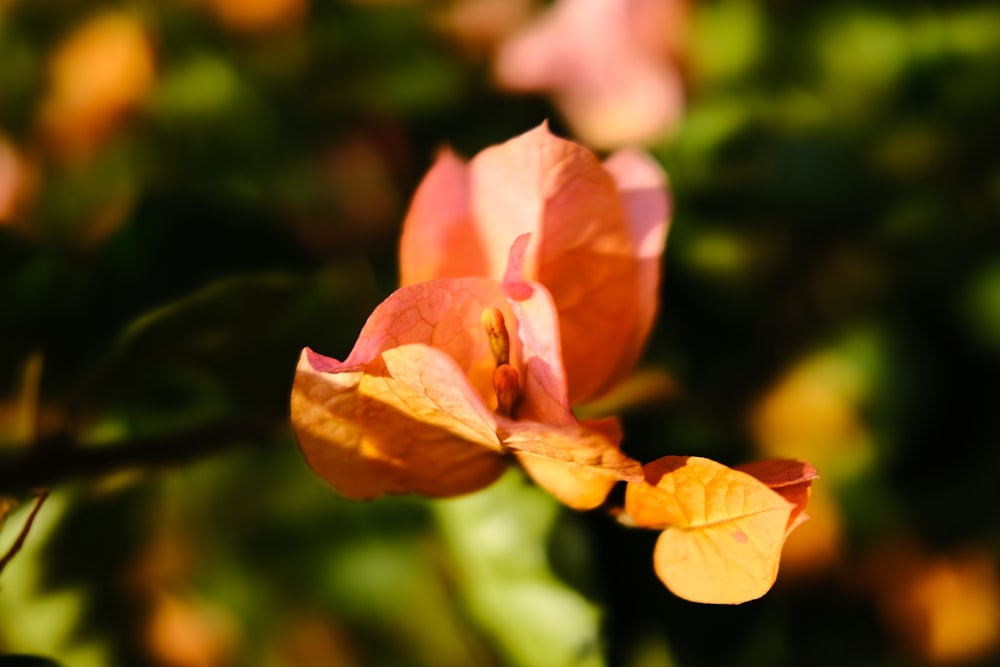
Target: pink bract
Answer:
[[597, 235]]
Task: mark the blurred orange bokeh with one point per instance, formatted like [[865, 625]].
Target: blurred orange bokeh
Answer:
[[17, 181], [944, 608], [186, 631], [100, 72], [812, 413], [257, 15]]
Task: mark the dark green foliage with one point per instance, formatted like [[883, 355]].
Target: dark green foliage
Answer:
[[836, 186]]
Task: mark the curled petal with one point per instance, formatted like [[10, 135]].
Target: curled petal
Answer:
[[576, 464], [410, 409], [445, 314], [790, 478], [408, 422]]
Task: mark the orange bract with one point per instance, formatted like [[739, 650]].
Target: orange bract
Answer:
[[406, 411], [723, 529]]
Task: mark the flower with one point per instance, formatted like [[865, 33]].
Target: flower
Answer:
[[428, 402], [436, 397], [609, 66], [597, 236]]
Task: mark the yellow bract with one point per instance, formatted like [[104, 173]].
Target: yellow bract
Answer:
[[722, 528]]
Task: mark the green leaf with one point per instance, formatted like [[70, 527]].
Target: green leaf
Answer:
[[498, 539]]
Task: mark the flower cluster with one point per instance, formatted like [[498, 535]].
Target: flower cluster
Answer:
[[538, 238]]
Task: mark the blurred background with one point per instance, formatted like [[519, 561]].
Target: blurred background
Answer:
[[193, 190]]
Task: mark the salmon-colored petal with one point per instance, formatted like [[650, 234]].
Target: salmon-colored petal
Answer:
[[643, 187], [543, 390], [586, 225], [422, 415], [579, 464], [581, 247], [425, 384], [439, 237], [722, 528], [409, 410], [409, 422], [576, 464], [444, 314], [609, 427], [328, 427]]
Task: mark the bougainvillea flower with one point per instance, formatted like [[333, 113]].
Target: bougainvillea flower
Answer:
[[723, 528], [425, 403], [607, 65], [597, 235]]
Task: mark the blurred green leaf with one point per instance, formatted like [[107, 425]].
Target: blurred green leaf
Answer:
[[981, 306], [498, 539]]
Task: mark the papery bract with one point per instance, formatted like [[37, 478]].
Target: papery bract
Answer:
[[790, 479], [411, 409], [723, 529], [597, 234], [405, 412], [578, 463]]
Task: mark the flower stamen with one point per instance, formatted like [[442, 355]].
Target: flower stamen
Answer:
[[506, 379], [507, 387], [496, 332]]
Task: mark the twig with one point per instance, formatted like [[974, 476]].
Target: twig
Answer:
[[23, 535], [60, 457]]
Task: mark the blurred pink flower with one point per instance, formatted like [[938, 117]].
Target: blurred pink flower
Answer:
[[609, 65]]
